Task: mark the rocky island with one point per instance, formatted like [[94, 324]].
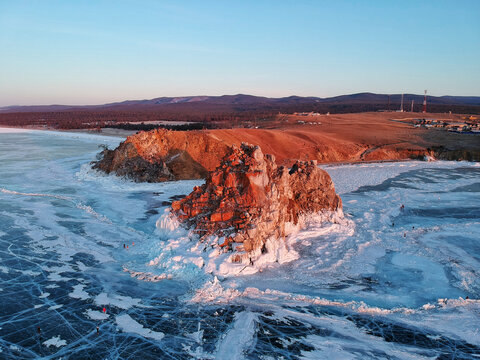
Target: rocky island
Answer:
[[248, 200], [248, 205]]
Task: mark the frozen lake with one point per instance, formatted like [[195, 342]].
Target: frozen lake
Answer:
[[80, 250]]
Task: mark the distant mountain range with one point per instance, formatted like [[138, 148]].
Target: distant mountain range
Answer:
[[241, 102]]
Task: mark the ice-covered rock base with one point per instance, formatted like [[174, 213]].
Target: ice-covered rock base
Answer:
[[182, 248]]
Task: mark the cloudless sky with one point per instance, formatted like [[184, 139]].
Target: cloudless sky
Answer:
[[92, 52]]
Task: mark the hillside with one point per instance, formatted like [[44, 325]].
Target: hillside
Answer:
[[243, 102], [222, 112]]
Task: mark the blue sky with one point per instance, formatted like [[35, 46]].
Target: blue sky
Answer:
[[92, 52]]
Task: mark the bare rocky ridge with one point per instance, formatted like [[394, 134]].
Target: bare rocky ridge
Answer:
[[249, 199]]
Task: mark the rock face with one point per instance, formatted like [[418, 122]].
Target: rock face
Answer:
[[163, 155], [442, 153], [249, 199]]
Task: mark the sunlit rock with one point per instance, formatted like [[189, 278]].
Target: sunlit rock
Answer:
[[248, 199], [163, 155]]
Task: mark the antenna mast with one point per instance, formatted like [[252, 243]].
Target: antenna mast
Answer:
[[401, 105], [425, 102]]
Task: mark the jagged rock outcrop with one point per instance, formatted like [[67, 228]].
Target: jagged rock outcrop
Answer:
[[249, 199], [443, 153], [163, 155]]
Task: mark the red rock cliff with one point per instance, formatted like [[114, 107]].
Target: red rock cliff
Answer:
[[249, 199], [162, 155]]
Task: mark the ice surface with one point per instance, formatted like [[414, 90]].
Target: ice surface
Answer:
[[239, 338], [119, 301], [127, 324], [96, 315], [79, 293], [348, 178], [55, 341], [381, 282]]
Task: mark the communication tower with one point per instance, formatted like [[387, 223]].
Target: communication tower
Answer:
[[425, 102]]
